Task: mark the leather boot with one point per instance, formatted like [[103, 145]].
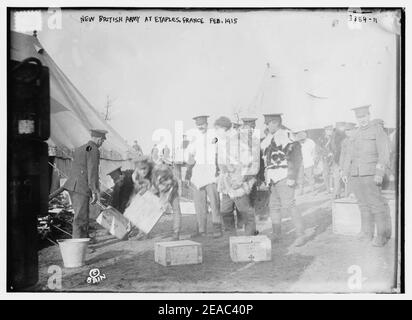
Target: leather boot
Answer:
[[367, 227], [229, 221], [217, 230], [381, 234]]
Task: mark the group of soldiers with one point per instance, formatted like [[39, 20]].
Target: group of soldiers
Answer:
[[225, 166]]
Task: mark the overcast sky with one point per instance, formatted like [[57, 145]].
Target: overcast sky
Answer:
[[157, 73]]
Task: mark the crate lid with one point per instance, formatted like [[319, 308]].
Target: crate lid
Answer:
[[248, 239], [179, 243]]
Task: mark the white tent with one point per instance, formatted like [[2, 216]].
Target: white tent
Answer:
[[72, 116]]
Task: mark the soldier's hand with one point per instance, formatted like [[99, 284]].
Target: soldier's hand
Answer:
[[378, 179], [94, 198], [290, 182], [345, 179]]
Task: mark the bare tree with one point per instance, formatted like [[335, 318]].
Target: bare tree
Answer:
[[106, 113]]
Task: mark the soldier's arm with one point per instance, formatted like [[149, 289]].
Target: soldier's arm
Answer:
[[252, 154], [383, 147], [343, 148], [190, 152], [93, 160], [294, 160], [347, 159]]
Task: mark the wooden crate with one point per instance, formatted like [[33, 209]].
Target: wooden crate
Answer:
[[250, 248], [113, 221], [174, 253], [346, 218], [144, 211]]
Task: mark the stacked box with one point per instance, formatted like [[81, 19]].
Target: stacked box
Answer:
[[250, 248], [174, 253], [346, 218], [113, 221]]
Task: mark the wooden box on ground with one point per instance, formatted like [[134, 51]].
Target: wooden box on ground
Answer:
[[173, 253], [346, 218], [113, 221], [250, 248]]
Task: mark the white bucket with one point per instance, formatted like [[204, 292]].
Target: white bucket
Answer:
[[73, 251]]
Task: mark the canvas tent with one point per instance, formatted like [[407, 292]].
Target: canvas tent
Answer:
[[72, 116], [316, 79]]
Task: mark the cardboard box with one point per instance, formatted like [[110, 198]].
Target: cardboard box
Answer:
[[174, 253], [113, 221], [144, 211], [346, 218], [250, 248]]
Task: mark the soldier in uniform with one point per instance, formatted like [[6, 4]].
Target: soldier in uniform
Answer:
[[337, 137], [283, 159], [326, 153], [122, 190], [346, 143], [238, 162], [83, 182], [365, 163], [236, 125], [201, 157], [308, 147]]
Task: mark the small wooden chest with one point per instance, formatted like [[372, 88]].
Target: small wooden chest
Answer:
[[250, 248], [173, 253]]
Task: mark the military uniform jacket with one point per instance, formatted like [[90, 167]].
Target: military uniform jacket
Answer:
[[84, 175], [122, 192], [282, 156], [369, 152], [346, 144]]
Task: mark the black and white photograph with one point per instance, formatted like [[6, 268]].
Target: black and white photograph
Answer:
[[254, 150]]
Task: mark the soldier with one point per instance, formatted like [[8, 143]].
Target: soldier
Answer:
[[238, 161], [236, 125], [308, 147], [365, 163], [345, 145], [122, 190], [249, 125], [201, 156], [326, 153], [283, 159], [137, 148], [83, 182], [337, 137]]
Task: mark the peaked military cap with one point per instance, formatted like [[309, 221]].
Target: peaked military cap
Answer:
[[200, 119], [249, 121], [361, 111], [98, 133], [272, 116]]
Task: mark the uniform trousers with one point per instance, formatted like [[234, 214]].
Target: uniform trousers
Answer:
[[372, 205], [245, 211], [80, 204], [200, 197], [282, 203]]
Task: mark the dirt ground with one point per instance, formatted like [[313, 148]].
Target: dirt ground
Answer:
[[327, 263]]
